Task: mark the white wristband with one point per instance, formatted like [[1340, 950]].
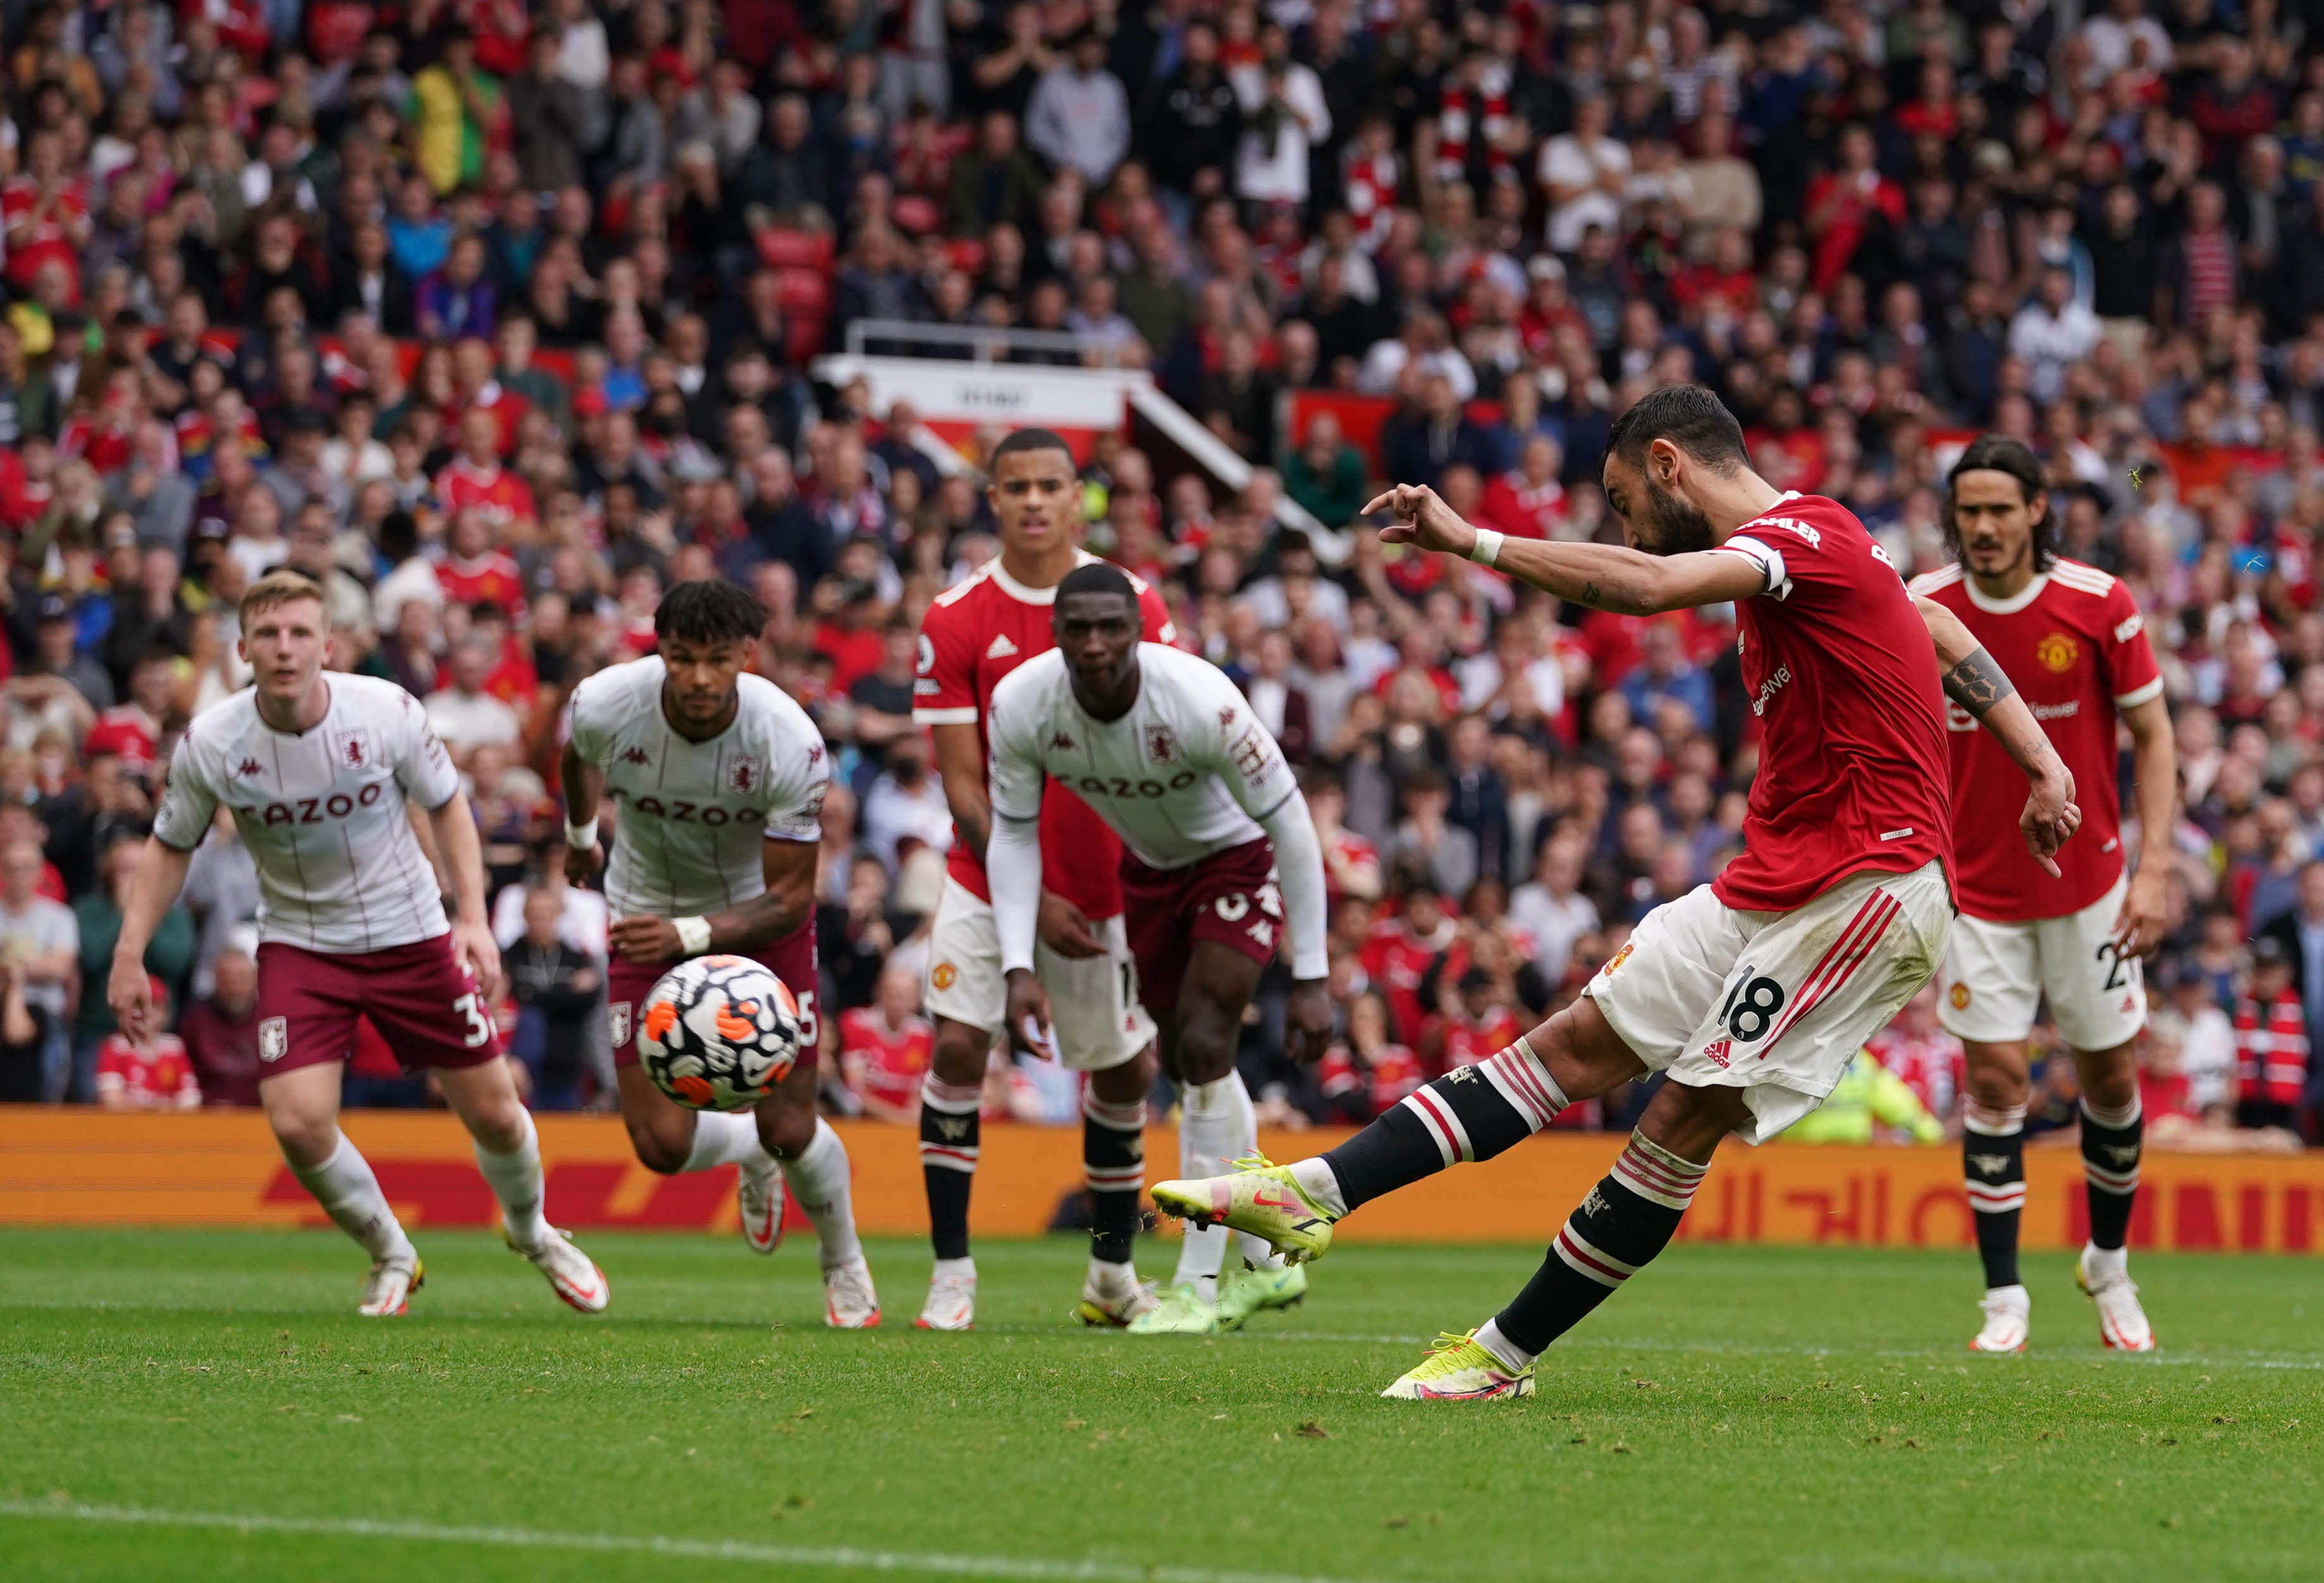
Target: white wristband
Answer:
[[1487, 548], [581, 837], [693, 935]]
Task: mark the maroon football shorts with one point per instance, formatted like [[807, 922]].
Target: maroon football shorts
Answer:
[[1228, 898], [791, 959], [421, 997]]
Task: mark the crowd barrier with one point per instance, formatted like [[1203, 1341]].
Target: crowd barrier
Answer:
[[220, 1168]]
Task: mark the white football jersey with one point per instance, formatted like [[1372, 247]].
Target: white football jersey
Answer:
[[693, 813], [1189, 771], [322, 812]]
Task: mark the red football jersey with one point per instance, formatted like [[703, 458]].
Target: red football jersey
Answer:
[[2075, 646], [1467, 1043], [156, 1077], [490, 578], [1933, 1068], [500, 494], [125, 730], [975, 633], [1395, 960], [46, 239], [894, 1059], [1837, 667], [1394, 1072]]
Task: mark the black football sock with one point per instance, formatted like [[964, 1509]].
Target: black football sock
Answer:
[[2110, 1149], [1993, 1165], [1114, 1162], [1627, 1219], [1470, 1114], [948, 1150]]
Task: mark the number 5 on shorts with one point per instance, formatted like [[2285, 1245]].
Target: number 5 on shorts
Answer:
[[1750, 1006]]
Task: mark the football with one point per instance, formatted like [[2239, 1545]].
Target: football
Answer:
[[718, 1033]]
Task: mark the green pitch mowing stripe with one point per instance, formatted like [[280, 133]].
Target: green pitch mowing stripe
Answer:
[[190, 1404]]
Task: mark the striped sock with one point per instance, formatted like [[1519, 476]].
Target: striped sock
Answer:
[[1113, 1162], [1472, 1113], [948, 1151], [2111, 1141], [1993, 1163], [1628, 1218]]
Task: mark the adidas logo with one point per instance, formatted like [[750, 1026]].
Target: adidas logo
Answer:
[[1002, 647]]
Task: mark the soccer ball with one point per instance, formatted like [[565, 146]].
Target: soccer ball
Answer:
[[718, 1033]]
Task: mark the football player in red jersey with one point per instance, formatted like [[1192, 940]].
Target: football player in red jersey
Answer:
[[1754, 992], [2074, 639], [975, 634]]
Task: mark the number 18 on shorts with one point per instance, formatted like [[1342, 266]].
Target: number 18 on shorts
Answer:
[[1776, 1004]]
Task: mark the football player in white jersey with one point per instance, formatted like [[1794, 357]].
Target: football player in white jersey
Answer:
[[719, 777], [1220, 857], [317, 773]]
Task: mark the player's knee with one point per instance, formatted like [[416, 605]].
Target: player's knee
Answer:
[[2109, 1078], [498, 1128], [786, 1130], [661, 1146], [1997, 1085], [1129, 1082], [306, 1138], [960, 1054], [1205, 1048]]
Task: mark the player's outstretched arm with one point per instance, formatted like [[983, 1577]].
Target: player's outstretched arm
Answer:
[[1972, 680], [153, 884], [463, 855], [1603, 576]]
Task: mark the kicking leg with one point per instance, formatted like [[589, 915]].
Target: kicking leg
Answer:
[[1993, 1174], [2112, 1131], [302, 1108], [815, 1164], [1623, 1222], [671, 1139], [1470, 1114], [949, 1143], [508, 1153]]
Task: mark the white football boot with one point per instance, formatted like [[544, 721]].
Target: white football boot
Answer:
[[849, 1303], [761, 1199], [952, 1296], [2122, 1323], [1112, 1295], [577, 1282], [2006, 1310], [390, 1285]]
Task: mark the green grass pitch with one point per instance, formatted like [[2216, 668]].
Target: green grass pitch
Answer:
[[198, 1404]]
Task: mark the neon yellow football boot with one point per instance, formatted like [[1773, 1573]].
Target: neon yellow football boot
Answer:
[[1181, 1311], [1457, 1369], [1248, 1292], [1261, 1198]]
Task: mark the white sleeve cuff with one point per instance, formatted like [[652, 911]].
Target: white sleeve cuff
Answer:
[[963, 716], [2138, 695]]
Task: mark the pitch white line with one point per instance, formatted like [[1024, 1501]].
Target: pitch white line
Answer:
[[847, 1557]]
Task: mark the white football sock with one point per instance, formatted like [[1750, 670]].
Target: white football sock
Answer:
[[964, 1268], [819, 1182], [350, 1193], [1315, 1179], [1512, 1356], [1216, 1128], [2105, 1265], [724, 1138], [515, 1178]]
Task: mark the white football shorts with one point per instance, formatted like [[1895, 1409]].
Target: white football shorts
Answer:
[[1996, 974], [1776, 1004], [1093, 1005]]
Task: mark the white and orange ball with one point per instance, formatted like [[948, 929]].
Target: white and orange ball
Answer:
[[718, 1033]]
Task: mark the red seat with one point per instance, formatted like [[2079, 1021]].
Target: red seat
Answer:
[[911, 212], [805, 292], [803, 250], [968, 254], [804, 334]]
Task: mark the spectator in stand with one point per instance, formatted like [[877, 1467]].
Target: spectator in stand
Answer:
[[885, 1047], [1079, 115], [463, 713], [2271, 1043], [97, 922], [1368, 1072], [556, 990], [152, 1075], [220, 1032], [26, 1029]]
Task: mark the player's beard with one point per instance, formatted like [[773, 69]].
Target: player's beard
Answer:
[[1680, 527]]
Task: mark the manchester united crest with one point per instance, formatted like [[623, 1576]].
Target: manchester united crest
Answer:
[[2057, 652], [1959, 996], [943, 975]]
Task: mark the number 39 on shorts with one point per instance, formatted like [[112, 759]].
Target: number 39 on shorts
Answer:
[[1750, 1008]]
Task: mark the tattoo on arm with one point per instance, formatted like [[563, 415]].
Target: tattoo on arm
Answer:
[[1590, 595], [1977, 684]]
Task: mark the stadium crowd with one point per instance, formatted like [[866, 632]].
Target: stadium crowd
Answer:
[[498, 323]]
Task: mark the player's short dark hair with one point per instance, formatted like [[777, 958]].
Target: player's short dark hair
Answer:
[[1030, 439], [1098, 578], [1688, 416], [1998, 453], [713, 610]]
